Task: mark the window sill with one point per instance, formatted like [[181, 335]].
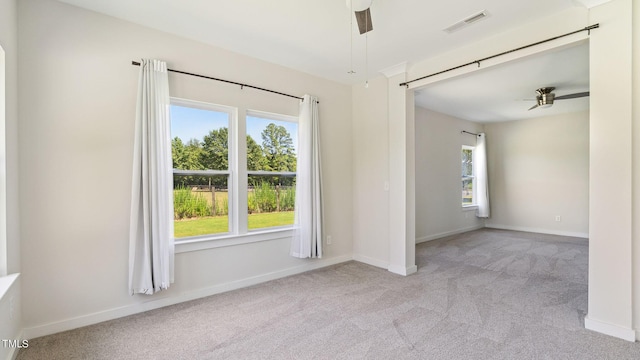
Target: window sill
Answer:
[[6, 282], [204, 243], [469, 207]]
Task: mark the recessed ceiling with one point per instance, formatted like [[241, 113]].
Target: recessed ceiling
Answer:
[[497, 93], [313, 36]]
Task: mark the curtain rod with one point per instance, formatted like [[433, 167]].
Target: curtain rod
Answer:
[[470, 133], [228, 82], [588, 28]]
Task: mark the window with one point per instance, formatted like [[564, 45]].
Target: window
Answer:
[[3, 173], [271, 165], [468, 177], [216, 176], [201, 171]]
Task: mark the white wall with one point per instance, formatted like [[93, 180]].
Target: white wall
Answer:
[[77, 88], [438, 199], [370, 173], [539, 169], [610, 172], [636, 169]]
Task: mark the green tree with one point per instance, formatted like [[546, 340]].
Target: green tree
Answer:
[[278, 149], [255, 156], [192, 155], [187, 157], [215, 146], [177, 153], [279, 153], [215, 154]]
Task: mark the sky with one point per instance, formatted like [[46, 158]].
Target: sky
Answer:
[[189, 123]]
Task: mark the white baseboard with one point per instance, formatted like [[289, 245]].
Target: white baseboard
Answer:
[[401, 270], [119, 312], [447, 233], [610, 329], [371, 261], [13, 353], [538, 230]]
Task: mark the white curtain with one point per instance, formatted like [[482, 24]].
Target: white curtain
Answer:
[[308, 231], [151, 249], [482, 183]]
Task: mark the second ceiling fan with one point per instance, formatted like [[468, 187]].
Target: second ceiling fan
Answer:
[[546, 97]]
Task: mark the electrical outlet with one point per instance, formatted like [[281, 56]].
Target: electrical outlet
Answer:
[[558, 218], [329, 239]]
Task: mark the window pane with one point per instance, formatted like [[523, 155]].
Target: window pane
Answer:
[[467, 162], [271, 144], [467, 191], [271, 200], [200, 138], [271, 147], [200, 141], [200, 205]]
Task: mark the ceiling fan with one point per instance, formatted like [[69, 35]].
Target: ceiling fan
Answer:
[[546, 98], [362, 10]]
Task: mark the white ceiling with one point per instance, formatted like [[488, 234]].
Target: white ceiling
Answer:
[[314, 37]]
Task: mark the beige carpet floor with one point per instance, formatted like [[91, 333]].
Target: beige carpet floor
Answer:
[[486, 294]]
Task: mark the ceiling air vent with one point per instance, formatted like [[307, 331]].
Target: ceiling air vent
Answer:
[[467, 21]]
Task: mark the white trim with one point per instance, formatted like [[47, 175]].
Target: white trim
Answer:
[[402, 270], [610, 329], [200, 243], [97, 317], [202, 105], [447, 233], [383, 264], [394, 70], [591, 3], [6, 282], [13, 352], [538, 230], [271, 116], [4, 250]]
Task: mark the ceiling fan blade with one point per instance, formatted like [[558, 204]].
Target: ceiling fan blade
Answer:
[[533, 107], [573, 96], [364, 20]]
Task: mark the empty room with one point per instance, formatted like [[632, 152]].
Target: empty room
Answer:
[[339, 179]]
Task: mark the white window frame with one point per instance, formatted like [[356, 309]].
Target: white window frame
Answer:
[[473, 204], [4, 249], [237, 183]]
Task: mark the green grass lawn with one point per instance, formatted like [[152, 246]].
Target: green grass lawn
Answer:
[[220, 224]]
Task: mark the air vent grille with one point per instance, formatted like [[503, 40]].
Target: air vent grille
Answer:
[[467, 21]]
